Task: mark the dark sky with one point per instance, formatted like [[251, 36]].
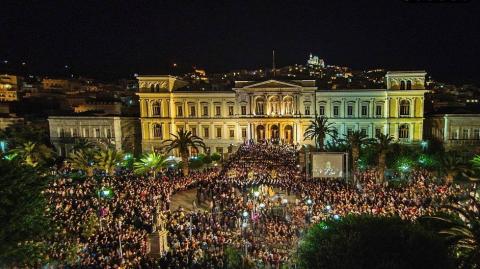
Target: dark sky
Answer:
[[119, 38]]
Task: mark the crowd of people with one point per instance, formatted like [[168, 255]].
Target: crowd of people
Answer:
[[258, 203]]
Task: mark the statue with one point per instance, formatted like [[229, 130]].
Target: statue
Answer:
[[157, 240]]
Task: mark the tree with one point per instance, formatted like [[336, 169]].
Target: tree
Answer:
[[216, 157], [83, 144], [183, 141], [319, 129], [83, 159], [150, 163], [452, 167], [18, 134], [24, 224], [108, 159], [355, 140], [365, 241], [383, 145], [33, 154], [463, 231], [476, 163]]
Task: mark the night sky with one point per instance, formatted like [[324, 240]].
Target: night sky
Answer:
[[101, 39]]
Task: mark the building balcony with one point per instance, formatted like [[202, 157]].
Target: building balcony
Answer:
[[463, 142]]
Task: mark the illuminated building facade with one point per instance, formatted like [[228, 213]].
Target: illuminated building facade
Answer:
[[277, 109]]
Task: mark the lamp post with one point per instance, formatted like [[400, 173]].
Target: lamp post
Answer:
[[309, 214]]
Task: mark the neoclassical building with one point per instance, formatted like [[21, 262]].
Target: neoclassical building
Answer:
[[277, 109]]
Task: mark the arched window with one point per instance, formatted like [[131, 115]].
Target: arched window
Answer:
[[157, 88], [409, 84], [404, 108], [152, 88], [156, 109], [403, 131], [402, 85], [157, 131]]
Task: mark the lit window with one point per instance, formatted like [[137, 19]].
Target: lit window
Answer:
[[205, 132], [179, 111], [335, 111], [205, 111], [244, 110], [231, 133], [404, 108], [217, 111], [378, 110], [321, 111], [157, 131], [219, 132], [244, 132], [364, 110], [403, 131], [193, 111], [350, 110], [307, 110], [156, 109], [230, 110]]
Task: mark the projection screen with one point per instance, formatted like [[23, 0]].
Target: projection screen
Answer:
[[328, 164]]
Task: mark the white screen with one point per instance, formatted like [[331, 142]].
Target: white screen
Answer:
[[327, 165]]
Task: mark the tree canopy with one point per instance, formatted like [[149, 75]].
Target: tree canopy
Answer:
[[22, 207], [372, 242]]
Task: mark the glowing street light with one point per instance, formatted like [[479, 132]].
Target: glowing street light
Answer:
[[328, 207], [309, 202], [256, 194], [245, 214]]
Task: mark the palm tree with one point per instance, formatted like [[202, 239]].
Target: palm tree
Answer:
[[463, 231], [82, 144], [383, 145], [183, 141], [33, 154], [150, 162], [319, 129], [452, 167], [107, 159], [355, 140], [82, 159]]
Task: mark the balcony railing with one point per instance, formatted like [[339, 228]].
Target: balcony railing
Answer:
[[463, 142]]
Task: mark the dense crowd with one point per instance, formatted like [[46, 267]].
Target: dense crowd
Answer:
[[259, 203]]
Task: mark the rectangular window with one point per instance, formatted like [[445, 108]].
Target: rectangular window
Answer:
[[307, 110], [205, 132], [350, 111], [217, 111], [378, 131], [378, 110], [364, 111], [465, 134], [75, 132], [244, 132], [321, 110], [194, 130], [193, 111], [349, 131], [205, 111], [363, 131], [335, 111], [97, 132], [244, 110], [109, 133], [230, 110], [179, 111], [231, 133], [86, 132], [476, 133], [219, 132]]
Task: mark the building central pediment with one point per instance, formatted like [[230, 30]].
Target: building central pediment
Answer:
[[271, 84]]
